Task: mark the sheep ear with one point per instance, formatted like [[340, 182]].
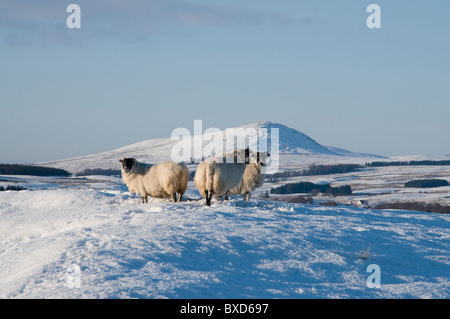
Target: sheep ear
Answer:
[[247, 155]]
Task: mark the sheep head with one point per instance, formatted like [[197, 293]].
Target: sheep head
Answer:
[[127, 164], [240, 155], [262, 158]]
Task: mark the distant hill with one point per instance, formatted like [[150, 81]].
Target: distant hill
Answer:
[[297, 146]]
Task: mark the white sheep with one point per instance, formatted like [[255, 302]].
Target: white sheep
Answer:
[[161, 180], [216, 178], [252, 177]]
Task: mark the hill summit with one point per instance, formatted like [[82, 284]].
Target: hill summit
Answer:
[[290, 141]]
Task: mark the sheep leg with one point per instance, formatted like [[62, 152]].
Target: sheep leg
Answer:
[[144, 199], [208, 198], [174, 197], [247, 196], [208, 202], [179, 197], [226, 195]]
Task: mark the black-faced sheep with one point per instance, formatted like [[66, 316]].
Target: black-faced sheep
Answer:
[[252, 177], [216, 178], [162, 180]]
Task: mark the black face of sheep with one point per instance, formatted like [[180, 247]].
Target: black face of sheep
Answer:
[[127, 163], [265, 156], [238, 156]]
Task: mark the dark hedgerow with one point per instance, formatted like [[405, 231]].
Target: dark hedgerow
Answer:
[[19, 169], [340, 190], [12, 188], [308, 187], [99, 171], [410, 163], [425, 183], [332, 169]]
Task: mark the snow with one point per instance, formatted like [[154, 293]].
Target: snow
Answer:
[[258, 249], [294, 147], [88, 237]]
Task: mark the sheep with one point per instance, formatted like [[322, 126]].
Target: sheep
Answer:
[[214, 178], [252, 177], [161, 180]]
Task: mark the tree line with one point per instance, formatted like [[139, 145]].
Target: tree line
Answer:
[[12, 188], [19, 169], [426, 183], [308, 187], [407, 163]]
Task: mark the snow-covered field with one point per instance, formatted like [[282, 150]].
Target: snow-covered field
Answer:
[[90, 238], [381, 185]]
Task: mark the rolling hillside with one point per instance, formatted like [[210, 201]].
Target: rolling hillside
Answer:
[[295, 146]]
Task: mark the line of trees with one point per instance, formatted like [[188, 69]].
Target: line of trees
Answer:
[[332, 169], [425, 183], [100, 171], [308, 187], [408, 163], [19, 169], [12, 188], [314, 170]]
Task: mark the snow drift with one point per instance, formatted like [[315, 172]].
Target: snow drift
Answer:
[[256, 249]]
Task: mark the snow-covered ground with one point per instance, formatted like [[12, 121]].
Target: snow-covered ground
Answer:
[[90, 238], [380, 185]]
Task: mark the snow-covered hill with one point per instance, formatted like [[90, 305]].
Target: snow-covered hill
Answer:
[[98, 241], [295, 146], [88, 237]]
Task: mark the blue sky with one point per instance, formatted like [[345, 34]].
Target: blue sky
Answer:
[[139, 69]]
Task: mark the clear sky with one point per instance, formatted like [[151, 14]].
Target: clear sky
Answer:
[[138, 69]]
